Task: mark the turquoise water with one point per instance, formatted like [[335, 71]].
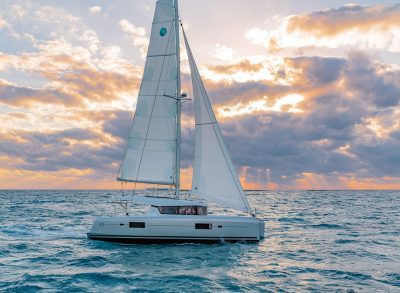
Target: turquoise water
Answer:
[[339, 241]]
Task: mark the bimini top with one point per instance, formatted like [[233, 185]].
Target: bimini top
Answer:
[[165, 202]]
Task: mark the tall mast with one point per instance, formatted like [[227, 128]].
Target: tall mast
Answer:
[[178, 104]]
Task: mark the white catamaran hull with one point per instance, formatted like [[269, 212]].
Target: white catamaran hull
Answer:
[[177, 229]]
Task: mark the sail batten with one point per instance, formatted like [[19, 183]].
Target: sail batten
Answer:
[[214, 177], [150, 155]]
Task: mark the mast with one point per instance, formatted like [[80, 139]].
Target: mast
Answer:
[[178, 105]]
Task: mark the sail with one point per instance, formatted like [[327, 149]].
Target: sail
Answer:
[[151, 153], [214, 177]]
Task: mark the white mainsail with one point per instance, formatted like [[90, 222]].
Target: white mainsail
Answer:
[[152, 153], [214, 177]]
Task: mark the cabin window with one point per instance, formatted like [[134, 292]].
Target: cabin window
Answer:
[[182, 210], [203, 226], [137, 225], [168, 210], [202, 211]]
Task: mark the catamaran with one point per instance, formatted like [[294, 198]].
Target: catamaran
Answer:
[[152, 156]]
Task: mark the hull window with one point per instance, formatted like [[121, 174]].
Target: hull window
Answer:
[[137, 225], [203, 226]]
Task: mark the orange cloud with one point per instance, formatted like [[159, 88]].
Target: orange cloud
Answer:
[[243, 66], [70, 82], [351, 26], [336, 21]]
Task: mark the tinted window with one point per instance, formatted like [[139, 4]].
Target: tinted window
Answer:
[[202, 210], [203, 226], [168, 210], [186, 210], [137, 225]]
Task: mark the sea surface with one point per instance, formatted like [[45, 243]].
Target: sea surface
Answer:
[[316, 241]]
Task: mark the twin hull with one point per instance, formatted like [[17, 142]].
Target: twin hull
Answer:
[[177, 228]]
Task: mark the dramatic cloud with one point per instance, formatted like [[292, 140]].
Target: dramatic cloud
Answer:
[[242, 66], [352, 26], [98, 148], [320, 110], [332, 22], [71, 88], [350, 130]]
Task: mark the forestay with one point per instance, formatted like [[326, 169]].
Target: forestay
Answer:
[[151, 151], [214, 177]]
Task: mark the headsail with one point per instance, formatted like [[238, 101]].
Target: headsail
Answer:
[[151, 155], [214, 177]]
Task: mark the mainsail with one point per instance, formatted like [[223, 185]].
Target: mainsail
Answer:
[[214, 177], [152, 153]]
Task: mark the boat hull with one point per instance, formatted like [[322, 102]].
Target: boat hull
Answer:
[[177, 229]]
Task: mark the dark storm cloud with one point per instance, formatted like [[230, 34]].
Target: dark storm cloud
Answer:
[[363, 79], [316, 71], [329, 137], [332, 135], [58, 150], [99, 149], [242, 92], [285, 146]]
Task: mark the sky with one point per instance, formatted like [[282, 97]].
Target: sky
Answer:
[[306, 92]]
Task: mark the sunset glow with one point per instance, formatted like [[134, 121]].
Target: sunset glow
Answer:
[[307, 98]]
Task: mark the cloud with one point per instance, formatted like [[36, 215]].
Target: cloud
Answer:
[[136, 34], [71, 83], [302, 121], [223, 53], [333, 22], [351, 26], [19, 96], [95, 9], [94, 149], [346, 127], [242, 66]]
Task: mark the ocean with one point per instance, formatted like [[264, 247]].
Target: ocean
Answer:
[[316, 241]]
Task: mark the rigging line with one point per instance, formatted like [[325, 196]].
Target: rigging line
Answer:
[[152, 109], [214, 125]]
